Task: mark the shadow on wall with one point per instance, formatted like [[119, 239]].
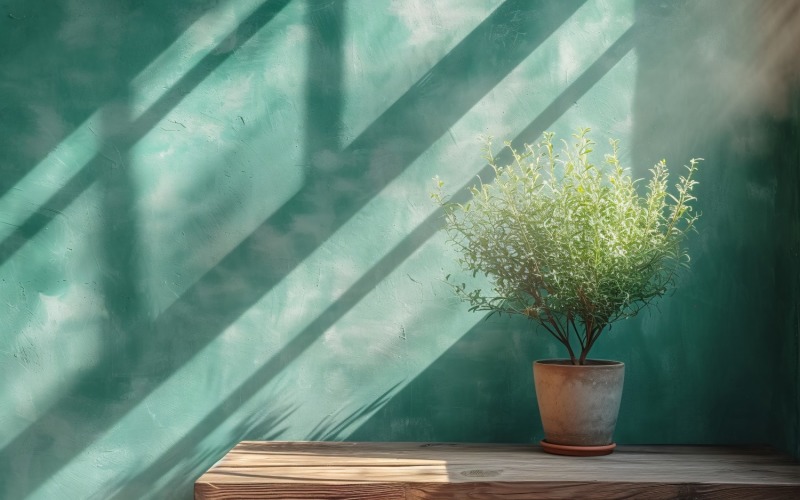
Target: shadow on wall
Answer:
[[110, 383], [64, 65], [778, 61], [691, 362], [121, 132], [481, 386], [720, 87], [456, 359], [495, 399], [143, 354], [786, 156], [176, 470]]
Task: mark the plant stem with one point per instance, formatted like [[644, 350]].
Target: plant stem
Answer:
[[571, 352], [590, 342]]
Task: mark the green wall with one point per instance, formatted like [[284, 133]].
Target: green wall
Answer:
[[789, 261], [216, 225]]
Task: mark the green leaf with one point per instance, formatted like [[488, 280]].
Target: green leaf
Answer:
[[567, 238]]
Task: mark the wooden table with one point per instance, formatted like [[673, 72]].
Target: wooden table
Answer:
[[256, 469]]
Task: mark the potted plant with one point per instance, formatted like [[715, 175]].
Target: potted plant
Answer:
[[574, 247]]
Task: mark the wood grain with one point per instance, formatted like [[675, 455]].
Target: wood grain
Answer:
[[427, 471]]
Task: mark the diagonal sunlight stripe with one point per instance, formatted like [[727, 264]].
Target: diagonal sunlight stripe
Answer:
[[84, 110], [214, 28], [84, 143], [182, 326], [86, 176], [250, 387], [71, 154]]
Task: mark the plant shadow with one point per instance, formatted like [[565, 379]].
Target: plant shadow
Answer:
[[481, 386]]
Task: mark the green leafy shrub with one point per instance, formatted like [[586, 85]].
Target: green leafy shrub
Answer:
[[569, 244]]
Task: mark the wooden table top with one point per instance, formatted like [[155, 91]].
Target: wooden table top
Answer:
[[257, 469]]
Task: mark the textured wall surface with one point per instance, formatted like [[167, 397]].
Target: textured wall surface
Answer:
[[216, 225]]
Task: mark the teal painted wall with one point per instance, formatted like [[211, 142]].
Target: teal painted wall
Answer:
[[216, 225], [789, 262]]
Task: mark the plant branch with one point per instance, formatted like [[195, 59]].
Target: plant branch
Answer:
[[567, 243]]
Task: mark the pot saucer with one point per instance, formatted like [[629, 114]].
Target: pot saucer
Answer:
[[577, 451]]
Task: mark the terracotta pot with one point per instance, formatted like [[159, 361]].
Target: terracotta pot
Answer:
[[579, 404]]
